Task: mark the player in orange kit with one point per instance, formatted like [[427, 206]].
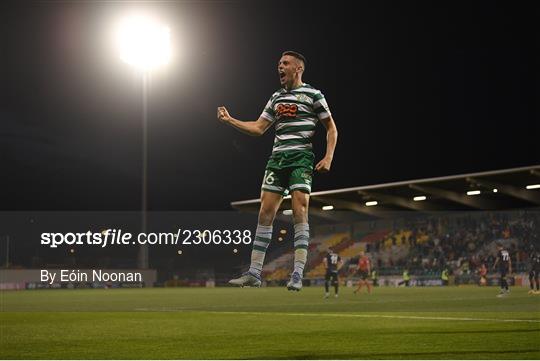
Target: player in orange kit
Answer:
[[364, 270], [483, 271]]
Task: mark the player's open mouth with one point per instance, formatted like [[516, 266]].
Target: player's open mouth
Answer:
[[281, 75]]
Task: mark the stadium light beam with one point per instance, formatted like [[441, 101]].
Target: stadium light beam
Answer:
[[533, 186], [371, 203], [327, 208], [473, 193], [144, 44], [419, 198], [495, 190]]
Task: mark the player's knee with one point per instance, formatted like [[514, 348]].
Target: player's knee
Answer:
[[300, 211], [266, 215], [300, 217]]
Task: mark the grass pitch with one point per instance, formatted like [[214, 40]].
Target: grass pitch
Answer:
[[269, 323]]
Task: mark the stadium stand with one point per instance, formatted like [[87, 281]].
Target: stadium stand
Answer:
[[426, 245]]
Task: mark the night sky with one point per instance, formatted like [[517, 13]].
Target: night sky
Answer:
[[417, 89]]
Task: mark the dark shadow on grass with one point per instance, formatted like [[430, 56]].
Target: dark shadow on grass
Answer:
[[505, 331], [489, 354]]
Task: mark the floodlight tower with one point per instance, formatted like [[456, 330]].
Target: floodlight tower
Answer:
[[144, 44]]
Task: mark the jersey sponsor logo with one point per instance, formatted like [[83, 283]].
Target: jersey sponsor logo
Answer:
[[286, 110]]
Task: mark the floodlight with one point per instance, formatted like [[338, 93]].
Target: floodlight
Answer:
[[143, 42]]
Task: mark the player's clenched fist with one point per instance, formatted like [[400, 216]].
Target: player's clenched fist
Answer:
[[324, 165], [223, 114]]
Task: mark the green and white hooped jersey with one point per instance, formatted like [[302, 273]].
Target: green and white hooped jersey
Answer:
[[295, 114]]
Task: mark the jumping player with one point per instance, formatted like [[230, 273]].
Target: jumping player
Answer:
[[332, 264], [294, 110], [364, 270], [505, 268]]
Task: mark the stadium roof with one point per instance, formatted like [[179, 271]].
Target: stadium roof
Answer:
[[515, 188]]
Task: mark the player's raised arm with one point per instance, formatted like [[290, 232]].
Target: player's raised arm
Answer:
[[254, 128], [331, 140]]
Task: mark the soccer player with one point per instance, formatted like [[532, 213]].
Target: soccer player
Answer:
[[294, 110], [483, 271], [444, 277], [374, 278], [332, 264], [534, 259], [364, 270], [505, 268], [406, 278]]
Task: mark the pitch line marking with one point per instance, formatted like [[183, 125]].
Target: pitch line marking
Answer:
[[381, 316], [343, 315]]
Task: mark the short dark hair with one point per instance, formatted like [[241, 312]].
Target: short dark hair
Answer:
[[297, 55]]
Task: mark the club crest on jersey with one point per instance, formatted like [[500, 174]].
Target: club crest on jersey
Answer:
[[303, 98], [286, 110]]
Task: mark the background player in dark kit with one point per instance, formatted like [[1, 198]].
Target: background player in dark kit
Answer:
[[534, 272], [332, 264], [505, 268]]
